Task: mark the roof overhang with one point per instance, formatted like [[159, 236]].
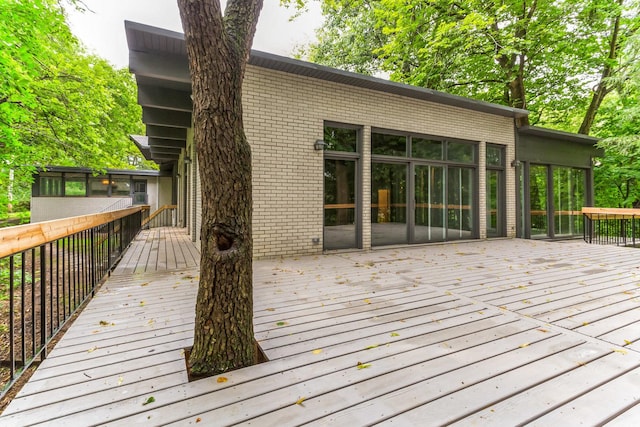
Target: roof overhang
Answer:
[[159, 61], [558, 135]]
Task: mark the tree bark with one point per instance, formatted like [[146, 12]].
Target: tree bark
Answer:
[[218, 48]]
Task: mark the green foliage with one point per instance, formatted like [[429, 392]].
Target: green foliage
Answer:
[[58, 105], [547, 57]]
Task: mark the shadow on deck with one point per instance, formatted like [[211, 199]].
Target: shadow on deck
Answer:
[[482, 333]]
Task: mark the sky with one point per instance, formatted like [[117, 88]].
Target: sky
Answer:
[[101, 28]]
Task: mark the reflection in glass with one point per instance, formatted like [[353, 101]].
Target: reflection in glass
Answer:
[[495, 156], [569, 197], [460, 212], [388, 204], [389, 145], [494, 203], [460, 152], [99, 186], [120, 187], [538, 200], [51, 185], [430, 212], [339, 204], [340, 139], [75, 185], [426, 149]]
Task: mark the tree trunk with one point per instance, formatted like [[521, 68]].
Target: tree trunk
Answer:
[[218, 50], [602, 89]]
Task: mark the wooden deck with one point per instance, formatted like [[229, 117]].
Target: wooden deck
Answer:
[[159, 249], [502, 332]]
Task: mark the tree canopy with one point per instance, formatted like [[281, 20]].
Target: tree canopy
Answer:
[[571, 63], [58, 104]]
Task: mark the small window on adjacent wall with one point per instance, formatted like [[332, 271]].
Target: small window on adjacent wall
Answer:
[[99, 186], [75, 185], [120, 186], [51, 185]]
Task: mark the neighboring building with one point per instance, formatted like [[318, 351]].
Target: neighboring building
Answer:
[[61, 192], [346, 161]]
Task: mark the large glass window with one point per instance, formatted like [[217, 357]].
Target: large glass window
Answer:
[[341, 139], [460, 207], [569, 196], [75, 185], [495, 191], [51, 185], [538, 199], [427, 149], [99, 186], [339, 204], [341, 191], [436, 202], [460, 152], [120, 186], [430, 208], [388, 204], [389, 145]]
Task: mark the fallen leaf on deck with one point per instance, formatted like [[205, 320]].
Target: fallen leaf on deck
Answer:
[[141, 303], [543, 330], [270, 309], [395, 334], [629, 292], [222, 380], [361, 365], [371, 346], [367, 301], [92, 349], [281, 323], [317, 351], [299, 401], [627, 342], [104, 323], [503, 307], [198, 420], [524, 345], [145, 284], [151, 322], [151, 399], [619, 350], [585, 323], [120, 380]]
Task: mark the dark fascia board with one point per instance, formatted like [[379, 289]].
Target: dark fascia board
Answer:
[[160, 117], [70, 169], [169, 99], [158, 37], [558, 135], [164, 132], [167, 143]]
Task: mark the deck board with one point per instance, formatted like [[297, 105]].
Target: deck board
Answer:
[[485, 333]]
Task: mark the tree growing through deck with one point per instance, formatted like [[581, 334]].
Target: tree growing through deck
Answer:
[[218, 49]]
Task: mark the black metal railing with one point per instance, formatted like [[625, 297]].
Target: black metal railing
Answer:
[[47, 271], [620, 227]]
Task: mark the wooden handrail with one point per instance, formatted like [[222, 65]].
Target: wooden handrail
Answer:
[[613, 213], [158, 212], [22, 237]]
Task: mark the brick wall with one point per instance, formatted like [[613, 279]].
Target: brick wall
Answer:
[[285, 114]]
